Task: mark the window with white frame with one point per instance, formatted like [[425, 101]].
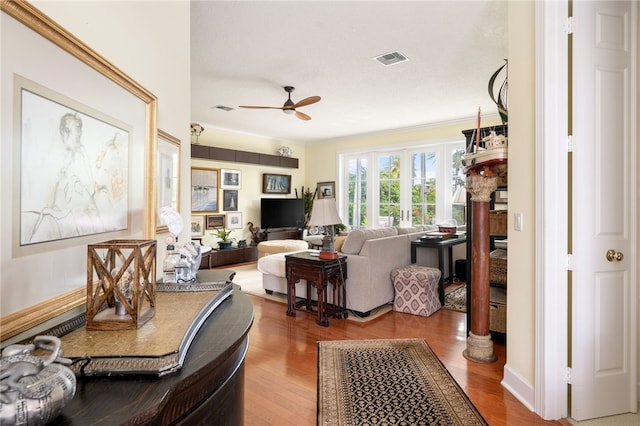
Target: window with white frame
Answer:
[[402, 186]]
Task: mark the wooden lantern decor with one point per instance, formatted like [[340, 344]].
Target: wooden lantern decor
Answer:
[[121, 274]]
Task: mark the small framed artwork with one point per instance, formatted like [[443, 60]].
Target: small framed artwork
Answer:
[[215, 221], [234, 220], [276, 184], [230, 200], [326, 190], [197, 226], [204, 190], [230, 179]]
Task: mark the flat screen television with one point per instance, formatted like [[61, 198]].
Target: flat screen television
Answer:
[[281, 213]]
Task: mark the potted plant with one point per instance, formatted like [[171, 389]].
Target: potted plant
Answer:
[[224, 236]]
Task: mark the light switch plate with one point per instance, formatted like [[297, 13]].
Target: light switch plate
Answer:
[[517, 221]]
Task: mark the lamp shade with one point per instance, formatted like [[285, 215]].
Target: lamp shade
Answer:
[[460, 196], [324, 213]]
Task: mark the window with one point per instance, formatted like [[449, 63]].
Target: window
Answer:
[[402, 186]]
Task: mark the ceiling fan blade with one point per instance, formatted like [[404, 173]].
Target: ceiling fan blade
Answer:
[[307, 101], [259, 107], [302, 116]]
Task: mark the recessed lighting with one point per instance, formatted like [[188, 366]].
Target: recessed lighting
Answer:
[[391, 58]]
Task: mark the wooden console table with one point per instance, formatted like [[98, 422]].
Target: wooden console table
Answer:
[[319, 273], [209, 389]]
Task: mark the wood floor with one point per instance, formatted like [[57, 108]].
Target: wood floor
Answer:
[[281, 365]]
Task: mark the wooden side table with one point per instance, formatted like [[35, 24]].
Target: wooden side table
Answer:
[[318, 273]]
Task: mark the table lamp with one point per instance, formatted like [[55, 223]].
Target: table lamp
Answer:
[[324, 213]]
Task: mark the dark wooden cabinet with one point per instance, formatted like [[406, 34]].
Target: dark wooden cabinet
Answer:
[[291, 234], [232, 255], [209, 389], [223, 154]]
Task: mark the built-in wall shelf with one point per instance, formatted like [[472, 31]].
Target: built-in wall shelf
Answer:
[[223, 154]]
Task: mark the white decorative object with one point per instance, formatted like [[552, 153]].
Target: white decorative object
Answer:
[[285, 151], [173, 220]]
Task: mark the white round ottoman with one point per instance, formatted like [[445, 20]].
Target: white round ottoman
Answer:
[[266, 248]]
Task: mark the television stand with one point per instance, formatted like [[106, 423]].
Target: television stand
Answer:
[[284, 234]]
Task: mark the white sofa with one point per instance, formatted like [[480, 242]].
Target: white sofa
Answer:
[[372, 255]]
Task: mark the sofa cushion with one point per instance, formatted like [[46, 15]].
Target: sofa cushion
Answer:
[[356, 238], [337, 245], [409, 230]]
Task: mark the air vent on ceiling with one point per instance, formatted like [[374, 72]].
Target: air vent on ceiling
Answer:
[[391, 58], [222, 107]]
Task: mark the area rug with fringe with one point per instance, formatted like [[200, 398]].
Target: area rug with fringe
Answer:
[[388, 382], [456, 300]]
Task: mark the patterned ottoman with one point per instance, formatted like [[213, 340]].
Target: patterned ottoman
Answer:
[[416, 289]]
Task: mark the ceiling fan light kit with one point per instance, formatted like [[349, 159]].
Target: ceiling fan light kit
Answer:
[[289, 106]]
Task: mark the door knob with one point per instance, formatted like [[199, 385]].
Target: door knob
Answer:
[[614, 255]]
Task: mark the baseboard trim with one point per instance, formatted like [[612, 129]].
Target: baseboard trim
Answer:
[[519, 387]]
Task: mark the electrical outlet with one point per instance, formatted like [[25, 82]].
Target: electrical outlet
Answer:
[[517, 221]]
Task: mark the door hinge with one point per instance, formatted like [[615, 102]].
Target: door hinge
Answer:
[[569, 25], [567, 375], [569, 262], [570, 143]]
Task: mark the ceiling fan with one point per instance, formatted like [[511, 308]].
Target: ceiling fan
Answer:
[[289, 107]]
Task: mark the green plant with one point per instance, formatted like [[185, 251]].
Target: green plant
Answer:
[[223, 234], [308, 198], [339, 227]]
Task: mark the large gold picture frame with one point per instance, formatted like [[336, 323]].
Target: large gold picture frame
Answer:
[[23, 18]]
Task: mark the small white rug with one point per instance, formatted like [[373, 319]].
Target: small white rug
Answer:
[[250, 281]]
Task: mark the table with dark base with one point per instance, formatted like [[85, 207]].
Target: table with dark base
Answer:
[[319, 273], [440, 245], [209, 389]]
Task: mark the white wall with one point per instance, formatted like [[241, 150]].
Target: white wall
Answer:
[[149, 41]]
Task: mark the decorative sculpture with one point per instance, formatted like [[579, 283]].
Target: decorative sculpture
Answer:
[[34, 389]]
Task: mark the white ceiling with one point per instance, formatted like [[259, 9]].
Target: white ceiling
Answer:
[[244, 52]]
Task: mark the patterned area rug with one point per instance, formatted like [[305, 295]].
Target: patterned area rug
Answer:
[[388, 382], [457, 299]]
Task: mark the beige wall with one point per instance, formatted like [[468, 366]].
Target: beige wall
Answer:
[[521, 294]]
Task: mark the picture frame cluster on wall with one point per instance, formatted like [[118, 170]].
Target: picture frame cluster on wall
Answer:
[[200, 224]]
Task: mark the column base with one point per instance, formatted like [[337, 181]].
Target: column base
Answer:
[[480, 349]]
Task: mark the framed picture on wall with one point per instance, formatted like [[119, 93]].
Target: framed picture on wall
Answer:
[[53, 204], [234, 220], [204, 190], [276, 184], [215, 221], [230, 200], [230, 179], [326, 190], [197, 226]]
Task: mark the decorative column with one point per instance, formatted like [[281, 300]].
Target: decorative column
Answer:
[[479, 343]]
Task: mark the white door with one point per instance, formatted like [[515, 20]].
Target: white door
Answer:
[[604, 211]]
